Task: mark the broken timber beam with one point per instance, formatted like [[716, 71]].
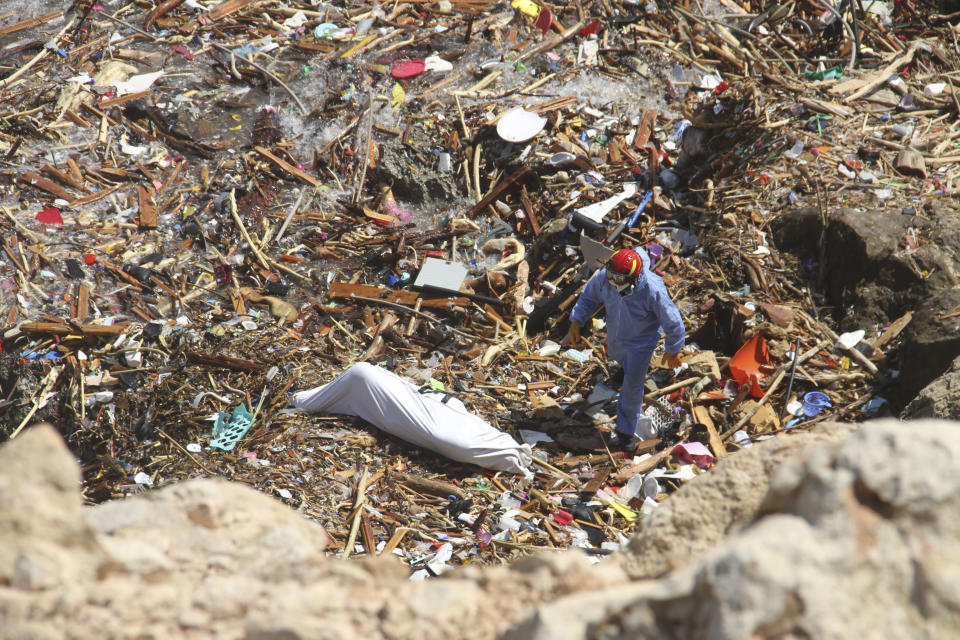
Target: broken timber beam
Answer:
[[499, 190], [345, 290], [302, 176], [224, 362]]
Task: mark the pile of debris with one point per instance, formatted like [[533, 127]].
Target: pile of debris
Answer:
[[212, 206]]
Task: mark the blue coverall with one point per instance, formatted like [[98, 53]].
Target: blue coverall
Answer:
[[634, 324]]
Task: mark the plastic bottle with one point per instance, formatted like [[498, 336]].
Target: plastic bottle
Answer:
[[444, 164]]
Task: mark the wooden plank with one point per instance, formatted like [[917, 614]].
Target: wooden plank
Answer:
[[382, 219], [83, 303], [894, 330], [159, 11], [394, 540], [57, 328], [628, 472], [51, 187], [289, 168], [613, 152], [426, 485], [599, 477], [497, 191], [64, 178], [531, 213], [345, 290], [30, 23], [148, 208], [123, 275], [323, 47], [540, 385], [366, 532], [645, 129], [226, 8], [734, 7], [79, 202], [644, 446], [493, 315], [223, 362], [110, 102], [877, 78], [75, 170], [702, 415], [15, 258], [74, 117]]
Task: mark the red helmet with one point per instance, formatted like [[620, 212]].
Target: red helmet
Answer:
[[626, 262]]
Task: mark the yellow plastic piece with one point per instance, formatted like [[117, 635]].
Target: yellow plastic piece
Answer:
[[399, 96], [359, 46], [528, 7], [626, 512]]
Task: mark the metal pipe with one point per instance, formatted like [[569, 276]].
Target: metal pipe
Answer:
[[793, 372]]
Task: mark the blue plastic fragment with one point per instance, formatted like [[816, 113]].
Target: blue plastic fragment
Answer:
[[229, 429], [324, 30]]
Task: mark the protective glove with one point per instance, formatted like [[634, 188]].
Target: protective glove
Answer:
[[574, 334], [669, 360]]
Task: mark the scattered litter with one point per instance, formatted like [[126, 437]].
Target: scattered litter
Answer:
[[214, 208]]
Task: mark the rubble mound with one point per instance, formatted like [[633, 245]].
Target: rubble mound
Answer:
[[845, 515], [874, 273]]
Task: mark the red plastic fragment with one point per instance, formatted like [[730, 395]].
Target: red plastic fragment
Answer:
[[50, 215], [408, 69]]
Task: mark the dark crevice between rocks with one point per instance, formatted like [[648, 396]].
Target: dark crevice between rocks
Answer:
[[869, 499], [872, 276]]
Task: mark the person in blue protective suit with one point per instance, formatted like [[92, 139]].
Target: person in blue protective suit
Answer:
[[638, 309]]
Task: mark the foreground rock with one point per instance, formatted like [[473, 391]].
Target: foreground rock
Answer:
[[211, 559], [702, 514], [833, 534], [856, 539]]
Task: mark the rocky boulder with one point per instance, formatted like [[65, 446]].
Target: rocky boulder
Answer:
[[213, 559], [939, 399], [701, 514], [930, 343], [836, 533], [879, 265], [865, 267], [859, 538]]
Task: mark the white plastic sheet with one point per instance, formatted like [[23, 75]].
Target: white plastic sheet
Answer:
[[396, 406], [598, 210]]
